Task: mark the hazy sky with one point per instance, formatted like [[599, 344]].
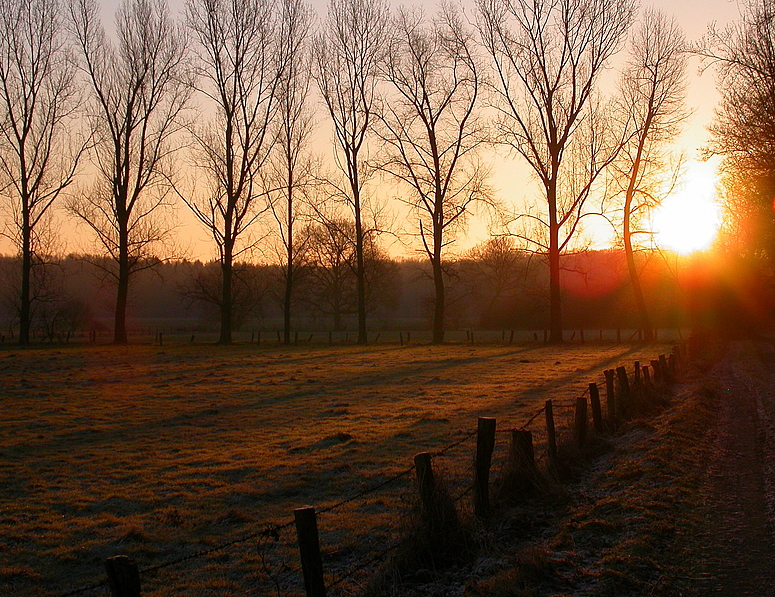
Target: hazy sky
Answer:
[[509, 174]]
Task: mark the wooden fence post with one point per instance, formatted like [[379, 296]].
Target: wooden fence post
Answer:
[[623, 402], [123, 576], [637, 374], [551, 436], [521, 455], [425, 482], [610, 397], [401, 338], [657, 371], [485, 444], [666, 377], [594, 400], [646, 378], [278, 336], [309, 550], [580, 422], [511, 337]]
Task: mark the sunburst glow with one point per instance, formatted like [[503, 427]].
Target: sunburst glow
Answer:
[[689, 219]]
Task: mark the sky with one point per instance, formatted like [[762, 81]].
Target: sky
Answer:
[[510, 178]]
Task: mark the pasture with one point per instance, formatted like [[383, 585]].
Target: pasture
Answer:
[[160, 452]]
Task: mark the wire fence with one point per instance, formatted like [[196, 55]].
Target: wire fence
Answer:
[[352, 550]]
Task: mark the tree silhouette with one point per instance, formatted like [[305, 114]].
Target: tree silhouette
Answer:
[[547, 57], [431, 132], [348, 52], [653, 92], [240, 63], [138, 92], [39, 155]]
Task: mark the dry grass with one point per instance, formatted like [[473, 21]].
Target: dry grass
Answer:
[[155, 452], [625, 527]]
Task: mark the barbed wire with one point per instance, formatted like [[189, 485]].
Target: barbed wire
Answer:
[[273, 530], [367, 491], [84, 589]]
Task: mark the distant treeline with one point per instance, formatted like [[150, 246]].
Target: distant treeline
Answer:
[[491, 288]]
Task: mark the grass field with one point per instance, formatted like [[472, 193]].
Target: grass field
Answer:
[[157, 452]]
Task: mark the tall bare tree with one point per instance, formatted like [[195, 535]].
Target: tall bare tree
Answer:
[[241, 63], [348, 52], [431, 132], [293, 165], [548, 55], [38, 155], [653, 93], [743, 131], [138, 91]]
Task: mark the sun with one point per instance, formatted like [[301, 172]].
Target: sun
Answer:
[[688, 220]]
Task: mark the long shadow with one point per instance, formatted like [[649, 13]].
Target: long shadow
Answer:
[[429, 367]]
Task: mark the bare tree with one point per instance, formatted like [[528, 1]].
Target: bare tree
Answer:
[[332, 282], [497, 277], [138, 91], [348, 51], [548, 56], [38, 155], [653, 93], [292, 165], [743, 131], [431, 132], [240, 61]]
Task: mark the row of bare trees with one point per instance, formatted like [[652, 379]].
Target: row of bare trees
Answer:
[[411, 102]]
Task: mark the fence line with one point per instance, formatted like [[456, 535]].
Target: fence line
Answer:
[[664, 370]]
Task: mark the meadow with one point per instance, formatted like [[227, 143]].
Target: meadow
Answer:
[[161, 452]]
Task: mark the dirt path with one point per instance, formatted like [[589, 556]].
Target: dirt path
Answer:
[[736, 550]]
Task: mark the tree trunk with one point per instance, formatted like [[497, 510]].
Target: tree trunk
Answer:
[[287, 302], [289, 254], [438, 307], [25, 311], [226, 296], [555, 296], [122, 291], [637, 289], [360, 272]]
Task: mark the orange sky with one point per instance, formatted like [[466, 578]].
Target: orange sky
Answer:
[[510, 178]]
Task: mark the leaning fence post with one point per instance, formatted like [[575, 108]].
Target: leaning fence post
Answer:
[[309, 550], [123, 576], [485, 444], [637, 374], [580, 422], [551, 437], [610, 398], [594, 399]]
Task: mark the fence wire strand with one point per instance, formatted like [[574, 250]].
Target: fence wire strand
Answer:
[[272, 531]]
